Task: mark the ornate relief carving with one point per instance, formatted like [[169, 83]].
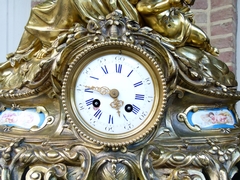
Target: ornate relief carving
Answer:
[[177, 145]]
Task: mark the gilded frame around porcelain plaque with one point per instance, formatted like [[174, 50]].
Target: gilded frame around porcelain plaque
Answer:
[[25, 119], [88, 55], [188, 119]]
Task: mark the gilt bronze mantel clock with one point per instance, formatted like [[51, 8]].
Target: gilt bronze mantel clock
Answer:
[[117, 90]]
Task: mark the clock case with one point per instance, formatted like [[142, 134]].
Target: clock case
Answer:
[[173, 147]]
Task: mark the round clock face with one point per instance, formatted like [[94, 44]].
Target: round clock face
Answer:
[[94, 94], [114, 94]]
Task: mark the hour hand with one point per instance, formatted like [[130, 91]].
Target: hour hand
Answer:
[[102, 90], [114, 93]]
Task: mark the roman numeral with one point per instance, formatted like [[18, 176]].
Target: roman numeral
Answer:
[[125, 117], [110, 121], [135, 109], [139, 96], [89, 102], [88, 90], [105, 69], [94, 77], [98, 114], [138, 84], [130, 73], [118, 68]]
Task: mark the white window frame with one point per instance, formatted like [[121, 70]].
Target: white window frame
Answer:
[[238, 53], [14, 15]]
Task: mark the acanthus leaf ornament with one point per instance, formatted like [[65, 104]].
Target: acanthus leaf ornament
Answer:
[[116, 97]]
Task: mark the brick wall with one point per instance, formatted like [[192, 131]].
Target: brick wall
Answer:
[[218, 18]]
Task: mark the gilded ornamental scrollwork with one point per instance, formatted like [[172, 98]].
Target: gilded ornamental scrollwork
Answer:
[[48, 162], [165, 108]]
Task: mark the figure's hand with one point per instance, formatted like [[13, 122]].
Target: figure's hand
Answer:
[[45, 50], [41, 53]]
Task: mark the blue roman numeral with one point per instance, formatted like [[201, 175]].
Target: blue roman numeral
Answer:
[[88, 90], [98, 114], [110, 121], [130, 73], [105, 69], [138, 84], [139, 96], [135, 109], [118, 68], [94, 77], [125, 117], [89, 102]]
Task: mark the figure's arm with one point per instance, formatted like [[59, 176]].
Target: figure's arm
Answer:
[[178, 35], [156, 7]]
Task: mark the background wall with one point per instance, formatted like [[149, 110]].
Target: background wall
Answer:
[[14, 15], [218, 18]]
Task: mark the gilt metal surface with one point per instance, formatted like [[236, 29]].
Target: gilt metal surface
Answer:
[[195, 134]]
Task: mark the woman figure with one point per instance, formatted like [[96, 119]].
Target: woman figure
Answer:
[[52, 17]]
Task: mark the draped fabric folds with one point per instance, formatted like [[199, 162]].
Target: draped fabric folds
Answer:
[[50, 18]]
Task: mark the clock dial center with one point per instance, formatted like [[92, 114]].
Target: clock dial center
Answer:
[[114, 93]]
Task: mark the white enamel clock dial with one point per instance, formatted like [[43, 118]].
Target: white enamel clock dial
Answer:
[[124, 75], [114, 93]]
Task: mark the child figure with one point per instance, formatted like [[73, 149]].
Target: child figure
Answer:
[[175, 26]]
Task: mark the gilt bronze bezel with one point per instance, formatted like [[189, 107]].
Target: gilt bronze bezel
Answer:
[[88, 55]]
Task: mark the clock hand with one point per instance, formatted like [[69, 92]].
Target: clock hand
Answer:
[[117, 104], [114, 93], [102, 90]]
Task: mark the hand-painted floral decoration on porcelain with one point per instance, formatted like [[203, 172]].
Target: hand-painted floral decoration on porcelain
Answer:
[[25, 119]]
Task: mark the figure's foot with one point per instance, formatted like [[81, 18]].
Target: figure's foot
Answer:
[[214, 51]]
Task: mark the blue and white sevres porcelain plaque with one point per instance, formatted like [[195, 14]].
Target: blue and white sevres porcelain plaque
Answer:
[[25, 119], [212, 118]]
